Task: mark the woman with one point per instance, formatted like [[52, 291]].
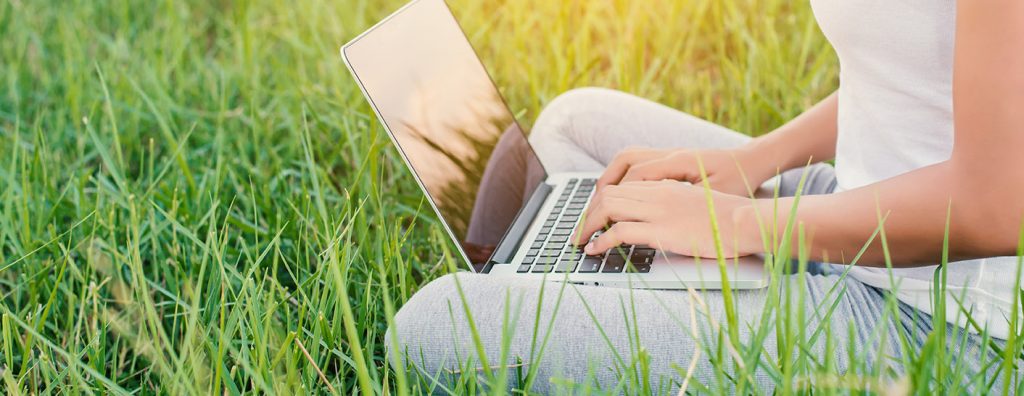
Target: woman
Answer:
[[925, 130]]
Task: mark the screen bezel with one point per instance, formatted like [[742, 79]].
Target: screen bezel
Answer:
[[481, 267]]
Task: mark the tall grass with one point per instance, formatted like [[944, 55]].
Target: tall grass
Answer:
[[196, 198]]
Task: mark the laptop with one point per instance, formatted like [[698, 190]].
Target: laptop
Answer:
[[507, 214]]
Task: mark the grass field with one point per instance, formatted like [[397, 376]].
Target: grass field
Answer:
[[197, 200]]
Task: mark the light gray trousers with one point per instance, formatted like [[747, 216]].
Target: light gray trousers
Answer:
[[572, 337]]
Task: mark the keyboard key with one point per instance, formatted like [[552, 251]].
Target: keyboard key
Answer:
[[554, 245], [566, 224], [551, 253], [575, 256], [532, 252], [573, 212], [639, 268], [588, 182], [565, 266], [618, 253], [562, 231], [542, 268], [524, 268], [614, 263], [537, 245], [559, 239], [549, 224], [575, 206], [528, 260], [643, 252], [590, 264], [545, 230], [642, 258], [547, 260]]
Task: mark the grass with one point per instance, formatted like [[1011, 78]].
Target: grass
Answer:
[[196, 198]]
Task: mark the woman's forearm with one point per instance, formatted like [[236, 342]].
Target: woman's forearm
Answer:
[[981, 186], [810, 137], [911, 207]]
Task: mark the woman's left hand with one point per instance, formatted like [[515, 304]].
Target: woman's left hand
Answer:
[[667, 215]]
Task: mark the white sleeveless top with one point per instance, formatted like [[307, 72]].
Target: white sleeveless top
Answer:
[[896, 115]]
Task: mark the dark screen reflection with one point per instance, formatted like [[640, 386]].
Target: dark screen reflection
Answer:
[[450, 122]]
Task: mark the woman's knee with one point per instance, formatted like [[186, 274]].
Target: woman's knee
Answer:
[[411, 329], [558, 116], [426, 326]]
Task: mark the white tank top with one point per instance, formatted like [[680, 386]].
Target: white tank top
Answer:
[[896, 115]]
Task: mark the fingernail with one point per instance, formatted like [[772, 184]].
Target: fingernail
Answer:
[[589, 249]]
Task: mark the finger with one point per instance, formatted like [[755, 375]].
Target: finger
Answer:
[[632, 233], [676, 166], [635, 190], [650, 170], [634, 194], [611, 210], [613, 173], [621, 163]]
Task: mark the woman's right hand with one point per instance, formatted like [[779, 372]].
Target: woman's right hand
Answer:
[[729, 171]]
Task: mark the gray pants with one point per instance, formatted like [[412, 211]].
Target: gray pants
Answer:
[[585, 336]]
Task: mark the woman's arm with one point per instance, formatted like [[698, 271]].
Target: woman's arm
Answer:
[[981, 185], [808, 138], [739, 171]]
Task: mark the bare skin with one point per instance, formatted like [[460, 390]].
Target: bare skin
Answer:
[[981, 187]]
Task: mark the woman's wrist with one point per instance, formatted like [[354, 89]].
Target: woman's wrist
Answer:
[[747, 228], [758, 164]]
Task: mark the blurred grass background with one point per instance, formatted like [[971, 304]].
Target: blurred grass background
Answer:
[[196, 198]]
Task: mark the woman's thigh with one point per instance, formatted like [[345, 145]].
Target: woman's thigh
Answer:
[[608, 337], [583, 129]]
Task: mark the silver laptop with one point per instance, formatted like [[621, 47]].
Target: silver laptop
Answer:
[[508, 215]]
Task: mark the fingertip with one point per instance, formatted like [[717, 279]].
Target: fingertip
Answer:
[[594, 247]]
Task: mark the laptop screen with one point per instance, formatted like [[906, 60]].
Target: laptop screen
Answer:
[[449, 121]]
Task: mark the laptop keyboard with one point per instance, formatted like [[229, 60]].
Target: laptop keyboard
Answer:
[[552, 251]]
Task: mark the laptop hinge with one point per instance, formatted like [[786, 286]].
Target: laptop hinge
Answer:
[[507, 247]]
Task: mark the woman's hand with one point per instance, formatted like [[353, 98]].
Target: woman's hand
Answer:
[[667, 215], [730, 171]]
